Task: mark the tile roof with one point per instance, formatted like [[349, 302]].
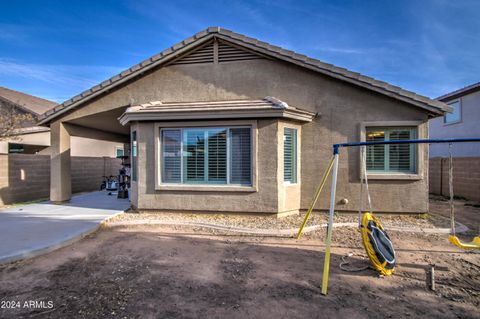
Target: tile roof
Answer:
[[267, 107], [266, 103], [433, 106], [27, 102]]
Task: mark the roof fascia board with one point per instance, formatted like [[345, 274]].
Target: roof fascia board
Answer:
[[459, 93]]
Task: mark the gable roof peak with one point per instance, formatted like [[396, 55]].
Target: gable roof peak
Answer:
[[429, 105], [213, 29]]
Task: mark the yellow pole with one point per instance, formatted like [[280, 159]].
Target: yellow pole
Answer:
[[316, 196], [326, 264]]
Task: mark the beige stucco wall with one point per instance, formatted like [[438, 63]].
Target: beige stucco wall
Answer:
[[40, 138], [262, 197], [342, 108], [80, 146], [289, 199]]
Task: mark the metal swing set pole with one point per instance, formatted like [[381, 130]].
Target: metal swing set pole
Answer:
[[336, 151], [326, 262]]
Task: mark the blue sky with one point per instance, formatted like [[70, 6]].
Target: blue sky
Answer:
[[56, 49]]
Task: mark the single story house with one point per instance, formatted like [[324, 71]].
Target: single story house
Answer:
[[221, 122], [33, 139]]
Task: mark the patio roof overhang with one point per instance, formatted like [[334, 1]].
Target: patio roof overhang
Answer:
[[268, 107]]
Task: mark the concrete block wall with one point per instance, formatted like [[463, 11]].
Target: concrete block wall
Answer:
[[466, 177], [3, 172], [88, 172], [26, 177]]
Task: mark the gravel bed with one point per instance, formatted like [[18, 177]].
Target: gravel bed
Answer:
[[288, 222]]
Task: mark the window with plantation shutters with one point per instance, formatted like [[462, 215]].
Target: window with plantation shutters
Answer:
[[194, 156], [172, 156], [391, 158], [240, 156], [290, 155], [206, 156], [217, 156]]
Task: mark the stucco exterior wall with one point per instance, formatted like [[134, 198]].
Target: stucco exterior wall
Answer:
[[289, 199], [341, 107], [263, 199], [80, 146], [39, 138], [467, 127]]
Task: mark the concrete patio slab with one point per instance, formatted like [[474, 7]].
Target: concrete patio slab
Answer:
[[33, 229]]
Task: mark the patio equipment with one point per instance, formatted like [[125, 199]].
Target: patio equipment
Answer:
[[109, 183], [336, 154], [475, 243], [375, 239]]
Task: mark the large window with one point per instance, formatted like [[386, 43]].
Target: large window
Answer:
[[217, 155], [290, 155], [456, 115], [391, 158]]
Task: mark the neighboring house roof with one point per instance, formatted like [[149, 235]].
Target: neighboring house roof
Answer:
[[460, 92], [26, 102], [267, 107], [432, 106]]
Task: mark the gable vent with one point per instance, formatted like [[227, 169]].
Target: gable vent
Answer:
[[201, 55], [228, 53]]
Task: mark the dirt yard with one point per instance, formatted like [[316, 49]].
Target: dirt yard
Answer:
[[179, 272]]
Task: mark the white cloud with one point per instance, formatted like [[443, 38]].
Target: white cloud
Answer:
[[74, 75], [54, 81], [342, 50]]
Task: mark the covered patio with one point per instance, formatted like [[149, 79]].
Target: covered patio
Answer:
[[98, 125]]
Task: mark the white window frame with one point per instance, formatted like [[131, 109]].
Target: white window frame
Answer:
[[422, 128], [459, 101], [119, 148], [159, 185]]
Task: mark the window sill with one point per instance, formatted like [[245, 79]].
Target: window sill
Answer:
[[287, 184], [206, 188], [394, 176]]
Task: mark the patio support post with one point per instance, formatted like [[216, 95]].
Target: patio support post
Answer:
[[60, 166]]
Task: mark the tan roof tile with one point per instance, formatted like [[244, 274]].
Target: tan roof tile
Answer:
[[355, 78]]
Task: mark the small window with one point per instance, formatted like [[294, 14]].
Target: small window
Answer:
[[290, 155], [15, 148], [134, 156], [220, 155], [456, 115], [391, 158], [119, 152]]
